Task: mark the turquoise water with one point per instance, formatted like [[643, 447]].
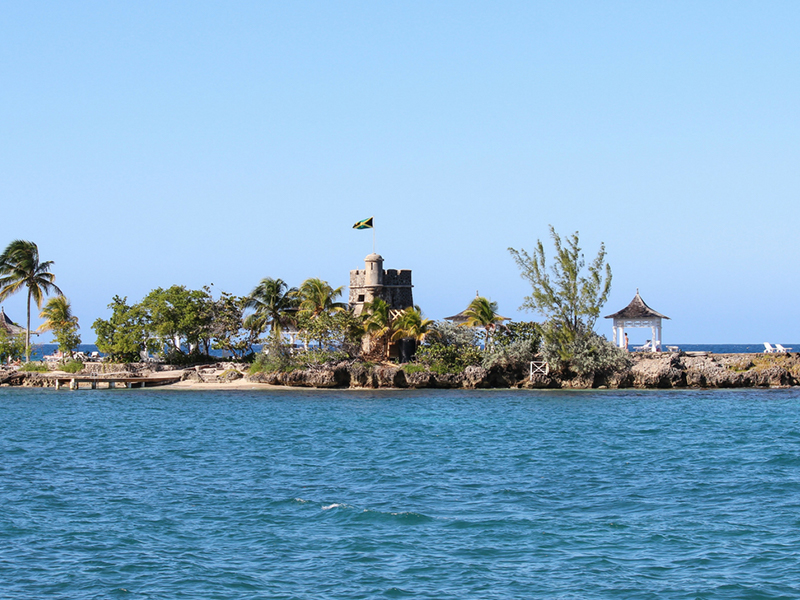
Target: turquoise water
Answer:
[[420, 494]]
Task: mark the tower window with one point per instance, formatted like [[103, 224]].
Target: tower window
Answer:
[[361, 297]]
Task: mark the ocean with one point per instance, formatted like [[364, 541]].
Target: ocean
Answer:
[[158, 493]]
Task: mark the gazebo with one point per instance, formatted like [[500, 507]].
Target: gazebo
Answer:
[[8, 325], [637, 314]]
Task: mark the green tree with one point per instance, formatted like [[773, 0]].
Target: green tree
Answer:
[[569, 293], [317, 297], [333, 331], [179, 317], [126, 334], [59, 319], [12, 347], [274, 306], [227, 326], [483, 313], [20, 267], [378, 325], [411, 324]]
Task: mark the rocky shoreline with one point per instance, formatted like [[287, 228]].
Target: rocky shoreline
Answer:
[[656, 370]]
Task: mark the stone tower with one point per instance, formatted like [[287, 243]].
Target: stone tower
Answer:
[[391, 285]]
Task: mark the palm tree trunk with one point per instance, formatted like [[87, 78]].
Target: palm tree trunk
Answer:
[[28, 330]]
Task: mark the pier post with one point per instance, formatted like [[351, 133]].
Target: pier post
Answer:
[[111, 385], [94, 384], [58, 384], [73, 384]]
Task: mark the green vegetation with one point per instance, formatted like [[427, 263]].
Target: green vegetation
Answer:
[[34, 367], [448, 348], [183, 326], [12, 347], [515, 346], [274, 306], [64, 325], [483, 313], [20, 267], [72, 366], [569, 294], [179, 324], [126, 334]]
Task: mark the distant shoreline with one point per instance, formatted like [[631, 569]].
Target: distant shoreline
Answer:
[[681, 370]]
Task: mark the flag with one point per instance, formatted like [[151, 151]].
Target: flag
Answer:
[[365, 224]]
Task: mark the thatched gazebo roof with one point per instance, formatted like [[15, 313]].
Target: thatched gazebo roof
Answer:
[[8, 325], [637, 310]]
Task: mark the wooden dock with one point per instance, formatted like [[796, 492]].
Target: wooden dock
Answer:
[[73, 382]]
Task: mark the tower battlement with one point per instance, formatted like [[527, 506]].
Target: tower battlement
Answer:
[[391, 285]]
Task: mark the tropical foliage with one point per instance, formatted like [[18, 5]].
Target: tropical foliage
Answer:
[[589, 353], [58, 318], [12, 347], [125, 336], [273, 305], [569, 293], [317, 297], [482, 313], [514, 346], [378, 327], [410, 324], [20, 267], [448, 348]]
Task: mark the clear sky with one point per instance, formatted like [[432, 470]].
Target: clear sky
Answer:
[[145, 144]]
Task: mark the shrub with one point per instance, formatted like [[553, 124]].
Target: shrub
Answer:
[[72, 366], [515, 355], [439, 358], [587, 353], [34, 367], [274, 358], [515, 346]]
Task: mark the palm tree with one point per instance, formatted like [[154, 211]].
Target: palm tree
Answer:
[[20, 267], [272, 302], [57, 313], [410, 324], [58, 317], [317, 297], [378, 322], [482, 313]]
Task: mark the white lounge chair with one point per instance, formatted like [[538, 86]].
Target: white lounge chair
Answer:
[[781, 349], [768, 349]]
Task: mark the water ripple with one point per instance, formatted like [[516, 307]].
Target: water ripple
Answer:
[[496, 494]]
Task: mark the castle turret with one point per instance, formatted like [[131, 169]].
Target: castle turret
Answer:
[[373, 270], [373, 281]]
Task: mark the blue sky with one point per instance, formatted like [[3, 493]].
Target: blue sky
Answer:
[[156, 143]]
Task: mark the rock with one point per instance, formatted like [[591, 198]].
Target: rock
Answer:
[[539, 381], [190, 375], [390, 377], [448, 380], [420, 379], [476, 377], [362, 376], [657, 370], [229, 375]]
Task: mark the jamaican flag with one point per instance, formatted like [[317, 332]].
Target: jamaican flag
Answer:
[[365, 224]]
